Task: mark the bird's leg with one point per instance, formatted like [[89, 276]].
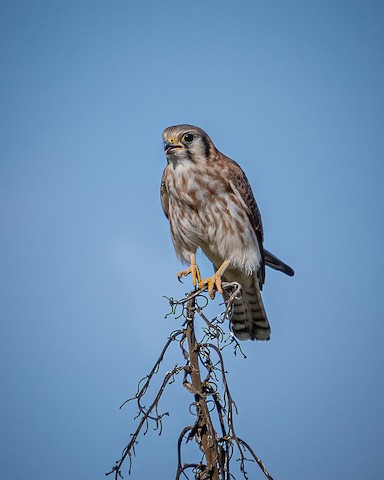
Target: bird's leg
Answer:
[[215, 280], [193, 269]]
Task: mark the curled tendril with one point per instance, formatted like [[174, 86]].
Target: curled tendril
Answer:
[[205, 377]]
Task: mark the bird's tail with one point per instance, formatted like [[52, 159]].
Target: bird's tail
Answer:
[[249, 319]]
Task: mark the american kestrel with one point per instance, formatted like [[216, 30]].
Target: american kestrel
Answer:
[[209, 203]]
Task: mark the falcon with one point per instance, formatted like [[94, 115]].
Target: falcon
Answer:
[[210, 205]]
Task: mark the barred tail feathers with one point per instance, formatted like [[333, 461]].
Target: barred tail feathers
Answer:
[[249, 319]]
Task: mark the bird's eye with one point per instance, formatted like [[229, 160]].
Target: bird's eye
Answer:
[[187, 137]]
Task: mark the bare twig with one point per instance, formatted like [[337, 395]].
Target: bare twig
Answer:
[[205, 377], [204, 432]]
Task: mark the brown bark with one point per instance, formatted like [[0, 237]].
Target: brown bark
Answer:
[[205, 434]]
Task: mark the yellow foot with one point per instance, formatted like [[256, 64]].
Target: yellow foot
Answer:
[[214, 281], [193, 270], [211, 283]]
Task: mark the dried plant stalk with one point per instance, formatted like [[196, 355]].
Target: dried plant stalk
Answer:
[[204, 376]]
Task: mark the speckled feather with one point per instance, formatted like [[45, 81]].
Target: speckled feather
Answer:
[[209, 203]]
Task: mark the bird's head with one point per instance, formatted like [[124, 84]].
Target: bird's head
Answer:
[[186, 142]]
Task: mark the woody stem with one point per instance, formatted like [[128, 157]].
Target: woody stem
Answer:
[[205, 432]]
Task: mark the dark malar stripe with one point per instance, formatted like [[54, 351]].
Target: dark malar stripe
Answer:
[[206, 146], [189, 156]]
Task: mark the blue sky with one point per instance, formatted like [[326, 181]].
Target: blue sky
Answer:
[[293, 91]]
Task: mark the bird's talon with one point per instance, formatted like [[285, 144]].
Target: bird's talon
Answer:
[[193, 270], [212, 283]]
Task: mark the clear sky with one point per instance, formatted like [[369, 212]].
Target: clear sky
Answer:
[[293, 91]]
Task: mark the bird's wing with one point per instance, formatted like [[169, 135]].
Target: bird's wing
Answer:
[[277, 264], [242, 189], [164, 197]]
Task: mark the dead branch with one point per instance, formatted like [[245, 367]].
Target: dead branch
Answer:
[[204, 376]]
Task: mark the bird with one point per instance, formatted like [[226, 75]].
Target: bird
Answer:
[[210, 205]]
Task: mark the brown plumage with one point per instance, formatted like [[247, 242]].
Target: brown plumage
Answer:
[[210, 205]]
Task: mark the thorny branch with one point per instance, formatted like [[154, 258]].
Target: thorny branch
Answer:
[[204, 376]]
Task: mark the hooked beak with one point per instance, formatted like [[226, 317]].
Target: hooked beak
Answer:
[[169, 147]]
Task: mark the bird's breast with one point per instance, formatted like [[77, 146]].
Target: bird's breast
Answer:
[[195, 184], [204, 212]]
